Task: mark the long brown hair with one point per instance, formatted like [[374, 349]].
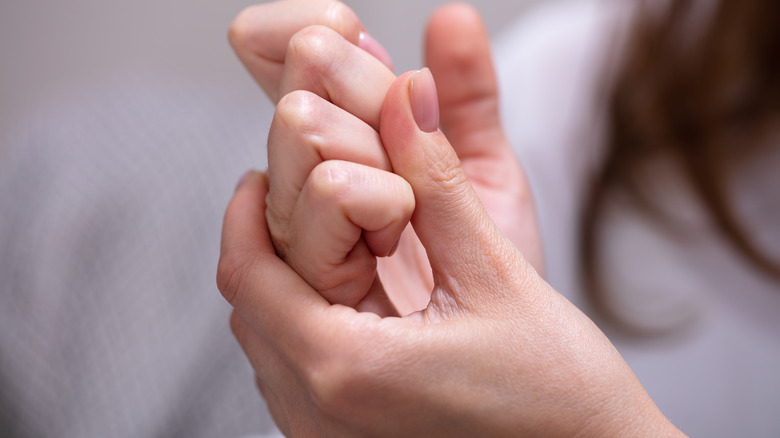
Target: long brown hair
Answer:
[[704, 95]]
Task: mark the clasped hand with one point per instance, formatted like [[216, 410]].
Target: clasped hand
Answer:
[[456, 334]]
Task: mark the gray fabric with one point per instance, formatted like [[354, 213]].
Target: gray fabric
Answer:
[[110, 212]]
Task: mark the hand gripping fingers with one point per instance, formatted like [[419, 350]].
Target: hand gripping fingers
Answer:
[[306, 131], [323, 62], [260, 34], [346, 216]]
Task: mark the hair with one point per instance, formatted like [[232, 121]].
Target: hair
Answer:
[[706, 103]]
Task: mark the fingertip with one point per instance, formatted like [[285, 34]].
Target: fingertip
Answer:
[[244, 224], [254, 180], [239, 30], [455, 14], [248, 174], [456, 39]]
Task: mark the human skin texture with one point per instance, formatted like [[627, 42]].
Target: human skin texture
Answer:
[[316, 46], [494, 350]]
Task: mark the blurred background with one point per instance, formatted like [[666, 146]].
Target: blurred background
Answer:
[[54, 50]]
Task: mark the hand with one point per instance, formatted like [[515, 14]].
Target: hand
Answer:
[[269, 40], [334, 205], [325, 223], [496, 353], [262, 34]]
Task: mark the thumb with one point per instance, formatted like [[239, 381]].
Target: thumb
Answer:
[[466, 250], [458, 54]]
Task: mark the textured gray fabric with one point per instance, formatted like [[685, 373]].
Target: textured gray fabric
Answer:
[[110, 212]]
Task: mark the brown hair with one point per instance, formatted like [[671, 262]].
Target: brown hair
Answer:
[[704, 104]]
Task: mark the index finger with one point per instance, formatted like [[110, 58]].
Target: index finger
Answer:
[[260, 34]]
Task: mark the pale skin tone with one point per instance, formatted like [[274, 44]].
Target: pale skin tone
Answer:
[[353, 159]]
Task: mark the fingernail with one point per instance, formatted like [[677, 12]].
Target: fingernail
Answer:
[[243, 179], [372, 46], [424, 100]]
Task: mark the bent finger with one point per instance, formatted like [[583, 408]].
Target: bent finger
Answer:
[[267, 293], [320, 60], [259, 35], [307, 130], [346, 216]]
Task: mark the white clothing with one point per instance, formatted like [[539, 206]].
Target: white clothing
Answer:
[[718, 377]]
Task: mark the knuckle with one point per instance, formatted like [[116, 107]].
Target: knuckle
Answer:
[[230, 275], [340, 384], [300, 111], [330, 181], [302, 117], [327, 392], [335, 386], [312, 48]]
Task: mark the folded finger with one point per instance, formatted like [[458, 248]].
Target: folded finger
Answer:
[[307, 130], [320, 60], [346, 216], [259, 35]]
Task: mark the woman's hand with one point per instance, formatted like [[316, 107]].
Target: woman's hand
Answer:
[[333, 204], [261, 35], [315, 45], [496, 353]]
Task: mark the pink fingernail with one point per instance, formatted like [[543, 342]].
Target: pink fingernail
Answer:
[[424, 100], [372, 46]]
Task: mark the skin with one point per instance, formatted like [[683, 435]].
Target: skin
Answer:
[[277, 41], [496, 351]]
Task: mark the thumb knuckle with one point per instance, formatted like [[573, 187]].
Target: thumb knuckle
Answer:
[[231, 273]]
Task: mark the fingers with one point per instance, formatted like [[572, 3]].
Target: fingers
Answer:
[[261, 287], [260, 35], [465, 248], [346, 215], [307, 130], [458, 54], [323, 62]]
